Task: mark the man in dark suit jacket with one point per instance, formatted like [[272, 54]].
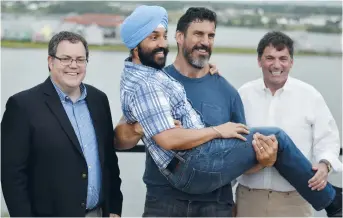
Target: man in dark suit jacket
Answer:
[[57, 155]]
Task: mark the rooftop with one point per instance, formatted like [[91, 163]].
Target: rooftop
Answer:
[[104, 20]]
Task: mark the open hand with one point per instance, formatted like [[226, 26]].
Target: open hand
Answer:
[[213, 69], [320, 179], [233, 130]]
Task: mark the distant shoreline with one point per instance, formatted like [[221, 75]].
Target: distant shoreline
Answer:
[[122, 48]]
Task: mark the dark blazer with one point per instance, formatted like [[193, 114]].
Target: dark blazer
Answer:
[[43, 170]]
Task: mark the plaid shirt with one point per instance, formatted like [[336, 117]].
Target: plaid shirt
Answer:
[[154, 99]]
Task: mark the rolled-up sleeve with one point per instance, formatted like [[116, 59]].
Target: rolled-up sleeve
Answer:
[[326, 142], [152, 109]]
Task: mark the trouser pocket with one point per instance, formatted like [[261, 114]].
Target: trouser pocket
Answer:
[[200, 182]]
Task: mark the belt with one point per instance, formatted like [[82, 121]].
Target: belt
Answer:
[[267, 190], [173, 165]]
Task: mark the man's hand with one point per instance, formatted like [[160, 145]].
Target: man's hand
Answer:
[[114, 215], [177, 124], [232, 130], [266, 149], [320, 179], [213, 69], [138, 129]]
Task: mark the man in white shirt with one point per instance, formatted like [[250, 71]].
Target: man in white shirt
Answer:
[[298, 108]]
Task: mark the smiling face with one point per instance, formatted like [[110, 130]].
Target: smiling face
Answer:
[[276, 64], [68, 76], [197, 43], [153, 50]]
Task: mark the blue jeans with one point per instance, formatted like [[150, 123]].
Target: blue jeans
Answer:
[[171, 207], [218, 162]]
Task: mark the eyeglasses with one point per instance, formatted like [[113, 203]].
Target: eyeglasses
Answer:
[[68, 61]]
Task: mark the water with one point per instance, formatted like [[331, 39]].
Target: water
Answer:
[[24, 68], [242, 37]]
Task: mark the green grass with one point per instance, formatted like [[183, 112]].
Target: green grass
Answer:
[[121, 47]]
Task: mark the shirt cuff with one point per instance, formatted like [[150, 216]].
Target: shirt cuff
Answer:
[[333, 159]]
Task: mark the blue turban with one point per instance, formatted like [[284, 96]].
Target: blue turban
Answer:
[[141, 23]]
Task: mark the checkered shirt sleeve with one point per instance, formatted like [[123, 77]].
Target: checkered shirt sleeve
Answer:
[[152, 109]]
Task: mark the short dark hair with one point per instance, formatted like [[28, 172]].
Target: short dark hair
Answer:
[[278, 40], [65, 35], [195, 14]]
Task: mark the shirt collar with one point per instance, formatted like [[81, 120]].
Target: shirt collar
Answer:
[[138, 69], [284, 88], [64, 97]]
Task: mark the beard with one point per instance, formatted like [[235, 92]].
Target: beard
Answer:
[[197, 62], [147, 57]]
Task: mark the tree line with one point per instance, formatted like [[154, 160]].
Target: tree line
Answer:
[[65, 7]]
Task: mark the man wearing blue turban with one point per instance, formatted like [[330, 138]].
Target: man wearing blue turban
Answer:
[[146, 20], [141, 23], [197, 159]]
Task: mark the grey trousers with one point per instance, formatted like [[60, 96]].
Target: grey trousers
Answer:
[[97, 212]]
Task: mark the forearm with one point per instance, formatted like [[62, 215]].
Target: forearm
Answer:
[[125, 136], [328, 149], [183, 139], [14, 178], [116, 196], [16, 197], [325, 133], [254, 169], [116, 202]]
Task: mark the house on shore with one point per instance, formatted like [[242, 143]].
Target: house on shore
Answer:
[[98, 29]]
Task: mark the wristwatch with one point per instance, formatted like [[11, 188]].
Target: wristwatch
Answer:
[[327, 163]]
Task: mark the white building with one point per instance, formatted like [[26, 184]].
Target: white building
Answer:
[[94, 35]]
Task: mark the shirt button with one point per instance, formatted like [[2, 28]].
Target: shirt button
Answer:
[[84, 175], [83, 204]]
